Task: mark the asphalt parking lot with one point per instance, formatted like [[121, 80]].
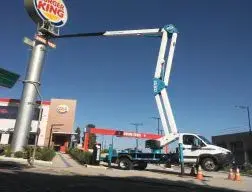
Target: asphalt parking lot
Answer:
[[71, 176]]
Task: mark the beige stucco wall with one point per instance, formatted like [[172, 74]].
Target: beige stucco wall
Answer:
[[61, 111]]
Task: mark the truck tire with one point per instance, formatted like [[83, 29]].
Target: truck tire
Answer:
[[208, 164], [125, 163], [141, 166]]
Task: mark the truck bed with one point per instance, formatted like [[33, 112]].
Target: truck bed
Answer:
[[171, 158]]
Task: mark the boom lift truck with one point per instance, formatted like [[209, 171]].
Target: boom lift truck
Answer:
[[193, 148]]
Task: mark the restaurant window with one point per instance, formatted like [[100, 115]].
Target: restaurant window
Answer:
[[10, 112]]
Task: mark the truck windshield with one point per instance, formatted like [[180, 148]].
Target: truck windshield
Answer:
[[205, 140]]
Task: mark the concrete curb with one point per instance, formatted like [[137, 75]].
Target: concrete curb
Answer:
[[96, 167], [24, 161]]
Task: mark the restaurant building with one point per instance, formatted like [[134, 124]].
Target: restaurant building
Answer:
[[56, 125]]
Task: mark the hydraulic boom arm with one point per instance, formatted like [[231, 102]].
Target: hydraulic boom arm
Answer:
[[161, 81], [161, 78]]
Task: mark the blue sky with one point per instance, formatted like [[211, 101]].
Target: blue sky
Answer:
[[112, 77]]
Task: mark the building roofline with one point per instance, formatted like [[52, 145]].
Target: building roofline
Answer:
[[239, 133], [8, 100]]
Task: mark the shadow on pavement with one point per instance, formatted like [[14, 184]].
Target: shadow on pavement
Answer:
[[22, 180], [12, 165], [172, 172], [159, 171]]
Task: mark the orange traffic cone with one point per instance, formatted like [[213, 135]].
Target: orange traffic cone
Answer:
[[199, 174], [237, 175], [231, 175]]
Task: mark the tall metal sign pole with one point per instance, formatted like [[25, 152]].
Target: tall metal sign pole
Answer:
[[49, 16]]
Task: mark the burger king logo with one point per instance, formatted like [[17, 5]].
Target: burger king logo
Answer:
[[52, 10], [62, 109]]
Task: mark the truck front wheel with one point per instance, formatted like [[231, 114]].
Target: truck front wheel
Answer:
[[208, 164], [125, 163]]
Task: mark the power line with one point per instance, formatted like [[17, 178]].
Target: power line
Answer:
[[248, 113]]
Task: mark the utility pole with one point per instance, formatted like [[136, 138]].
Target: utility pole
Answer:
[[158, 125], [136, 126], [248, 112], [102, 142], [112, 141]]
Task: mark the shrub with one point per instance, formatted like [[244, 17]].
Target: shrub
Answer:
[[7, 151], [44, 154], [28, 152], [19, 154], [248, 167], [2, 149], [81, 156], [38, 155], [47, 154]]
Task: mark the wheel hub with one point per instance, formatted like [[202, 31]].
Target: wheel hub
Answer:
[[209, 165], [123, 164]]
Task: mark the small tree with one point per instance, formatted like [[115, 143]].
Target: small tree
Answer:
[[92, 137], [77, 136]]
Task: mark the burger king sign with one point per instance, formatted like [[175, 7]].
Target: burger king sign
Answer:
[[53, 11]]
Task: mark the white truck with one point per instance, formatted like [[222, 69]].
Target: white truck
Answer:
[[196, 150]]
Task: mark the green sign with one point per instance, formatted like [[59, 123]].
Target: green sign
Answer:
[[7, 78]]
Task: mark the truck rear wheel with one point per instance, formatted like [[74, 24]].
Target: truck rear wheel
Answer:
[[208, 164], [125, 163], [141, 166]]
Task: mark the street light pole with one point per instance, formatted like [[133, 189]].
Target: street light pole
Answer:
[[112, 142], [158, 123], [249, 121], [136, 126], [248, 112]]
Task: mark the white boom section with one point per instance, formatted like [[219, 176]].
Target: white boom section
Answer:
[[170, 59], [133, 32], [162, 115], [161, 55], [168, 109], [163, 103]]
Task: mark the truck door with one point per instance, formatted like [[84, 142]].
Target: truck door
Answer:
[[191, 148]]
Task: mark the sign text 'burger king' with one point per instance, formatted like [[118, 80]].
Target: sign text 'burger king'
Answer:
[[54, 11]]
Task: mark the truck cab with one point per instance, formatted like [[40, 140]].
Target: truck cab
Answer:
[[197, 149]]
